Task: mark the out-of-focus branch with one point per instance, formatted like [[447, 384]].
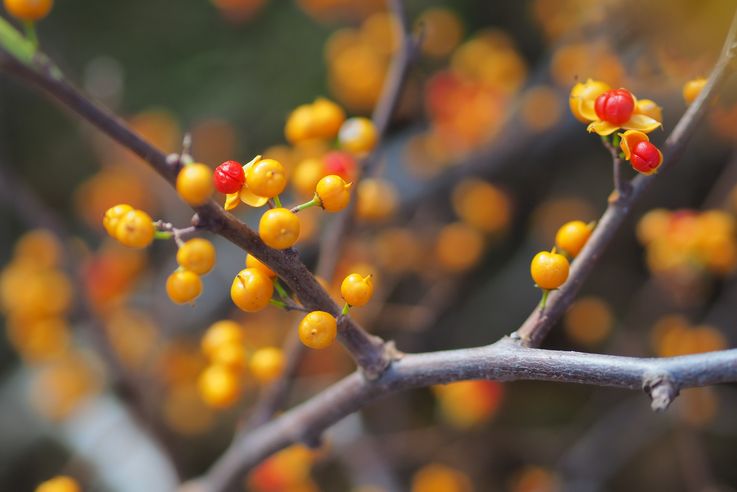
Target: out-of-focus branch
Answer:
[[539, 323], [505, 360], [367, 350], [333, 242]]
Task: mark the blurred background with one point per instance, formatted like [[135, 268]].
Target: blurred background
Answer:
[[482, 163]]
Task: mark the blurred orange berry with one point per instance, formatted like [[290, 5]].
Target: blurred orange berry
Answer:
[[194, 184], [267, 364], [183, 286], [358, 135], [29, 10], [219, 387], [224, 332], [692, 89], [59, 484]]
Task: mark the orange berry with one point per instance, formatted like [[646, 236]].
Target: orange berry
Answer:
[[251, 290], [197, 255], [299, 123], [267, 178], [692, 89], [59, 484], [112, 217], [358, 135], [29, 10], [333, 192], [183, 286], [135, 229], [572, 237], [267, 364], [225, 332], [218, 386], [253, 262], [356, 289], [549, 270], [318, 329], [195, 184], [279, 228]]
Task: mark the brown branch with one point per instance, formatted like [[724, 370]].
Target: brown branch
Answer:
[[367, 350], [503, 361], [536, 327]]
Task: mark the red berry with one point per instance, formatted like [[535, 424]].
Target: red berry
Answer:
[[229, 177], [340, 163], [615, 106], [646, 158]]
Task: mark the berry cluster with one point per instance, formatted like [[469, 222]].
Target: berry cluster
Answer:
[[221, 383], [131, 227], [550, 269], [195, 257]]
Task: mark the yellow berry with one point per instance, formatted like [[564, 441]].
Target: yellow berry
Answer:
[[135, 229], [112, 217], [572, 237], [267, 178], [549, 270], [251, 290], [231, 356], [267, 364], [197, 255], [279, 228], [61, 483], [218, 386], [299, 124], [253, 262], [195, 184], [29, 10], [318, 329], [692, 89], [334, 193], [183, 286], [306, 175], [220, 333], [327, 118], [358, 135], [356, 289], [377, 199]]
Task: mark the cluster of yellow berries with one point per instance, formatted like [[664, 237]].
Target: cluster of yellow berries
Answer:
[[61, 483], [673, 335], [131, 227], [550, 270], [221, 383], [195, 257], [35, 296], [684, 241]]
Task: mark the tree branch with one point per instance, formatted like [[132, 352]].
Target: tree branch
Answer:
[[538, 324], [367, 350], [502, 361]]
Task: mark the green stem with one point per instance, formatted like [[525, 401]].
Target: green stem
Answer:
[[31, 35], [15, 43], [163, 235], [544, 299], [280, 289], [345, 309], [279, 304], [277, 202], [311, 203]]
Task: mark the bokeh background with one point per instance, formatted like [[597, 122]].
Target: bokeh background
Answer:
[[482, 163]]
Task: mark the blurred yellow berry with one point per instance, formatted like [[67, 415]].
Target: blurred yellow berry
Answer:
[[219, 387], [441, 31], [588, 321], [267, 364], [436, 477], [572, 237], [358, 135], [458, 247], [692, 89], [231, 356], [220, 333], [306, 175], [328, 117], [377, 199], [29, 10], [481, 205], [59, 484]]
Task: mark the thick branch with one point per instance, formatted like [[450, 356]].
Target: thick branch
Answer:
[[503, 361], [538, 324]]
